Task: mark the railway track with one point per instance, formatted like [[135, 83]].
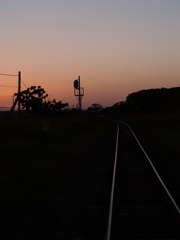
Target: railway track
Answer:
[[79, 209], [141, 206]]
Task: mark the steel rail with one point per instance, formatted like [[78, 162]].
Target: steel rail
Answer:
[[172, 201], [108, 236]]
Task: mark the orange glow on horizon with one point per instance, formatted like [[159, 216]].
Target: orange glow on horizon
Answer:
[[124, 48]]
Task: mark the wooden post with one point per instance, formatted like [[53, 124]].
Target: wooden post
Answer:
[[19, 90]]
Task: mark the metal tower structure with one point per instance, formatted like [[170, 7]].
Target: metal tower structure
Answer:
[[78, 92]]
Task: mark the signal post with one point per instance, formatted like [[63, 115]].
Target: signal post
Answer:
[[78, 92]]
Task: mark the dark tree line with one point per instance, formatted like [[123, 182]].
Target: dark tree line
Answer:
[[147, 102], [95, 108], [33, 100]]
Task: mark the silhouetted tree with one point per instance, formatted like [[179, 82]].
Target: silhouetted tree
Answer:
[[152, 101], [54, 108], [32, 99], [95, 107]]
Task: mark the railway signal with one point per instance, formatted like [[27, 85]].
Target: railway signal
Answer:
[[78, 92]]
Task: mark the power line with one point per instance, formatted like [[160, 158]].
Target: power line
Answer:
[[13, 86], [11, 75], [8, 86], [5, 96], [24, 83]]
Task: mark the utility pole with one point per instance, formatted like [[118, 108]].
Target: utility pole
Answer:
[[17, 100], [19, 90], [78, 92]]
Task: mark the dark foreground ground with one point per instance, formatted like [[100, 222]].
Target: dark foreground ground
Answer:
[[68, 213]]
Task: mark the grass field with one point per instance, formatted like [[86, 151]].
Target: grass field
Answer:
[[33, 161]]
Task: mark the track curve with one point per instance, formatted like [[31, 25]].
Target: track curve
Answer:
[[140, 206]]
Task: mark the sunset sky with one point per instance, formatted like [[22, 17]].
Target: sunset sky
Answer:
[[116, 46]]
